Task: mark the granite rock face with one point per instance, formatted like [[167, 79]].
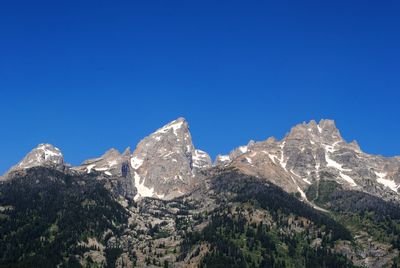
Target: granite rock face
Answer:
[[311, 152], [166, 163], [43, 155], [114, 167], [167, 189]]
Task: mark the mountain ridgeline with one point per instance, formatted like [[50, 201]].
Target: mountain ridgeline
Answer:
[[309, 200]]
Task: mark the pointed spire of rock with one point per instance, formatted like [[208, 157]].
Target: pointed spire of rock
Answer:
[[127, 151], [177, 126], [329, 131], [165, 163], [111, 153], [325, 131]]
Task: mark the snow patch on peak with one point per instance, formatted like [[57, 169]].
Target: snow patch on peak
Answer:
[[43, 154], [49, 148], [201, 159], [174, 125], [243, 149], [222, 159], [136, 162]]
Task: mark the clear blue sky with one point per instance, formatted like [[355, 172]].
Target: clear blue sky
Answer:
[[90, 75]]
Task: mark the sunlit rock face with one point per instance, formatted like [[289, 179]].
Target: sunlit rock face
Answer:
[[43, 155], [166, 163], [314, 151]]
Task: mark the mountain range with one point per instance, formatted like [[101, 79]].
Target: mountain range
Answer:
[[311, 199]]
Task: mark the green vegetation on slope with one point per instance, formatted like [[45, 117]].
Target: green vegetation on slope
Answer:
[[49, 213]]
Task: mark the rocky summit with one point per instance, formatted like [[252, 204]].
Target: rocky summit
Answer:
[[311, 152], [165, 163], [42, 155], [311, 199]]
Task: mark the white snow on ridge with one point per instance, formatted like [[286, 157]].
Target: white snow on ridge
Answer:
[[48, 151], [174, 125], [101, 169], [199, 157], [388, 183], [136, 162], [243, 149], [223, 158], [89, 168]]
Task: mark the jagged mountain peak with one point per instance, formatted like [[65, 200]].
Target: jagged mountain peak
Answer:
[[165, 162], [311, 152], [174, 134], [330, 123], [324, 132], [111, 153], [43, 155], [176, 126], [127, 151]]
